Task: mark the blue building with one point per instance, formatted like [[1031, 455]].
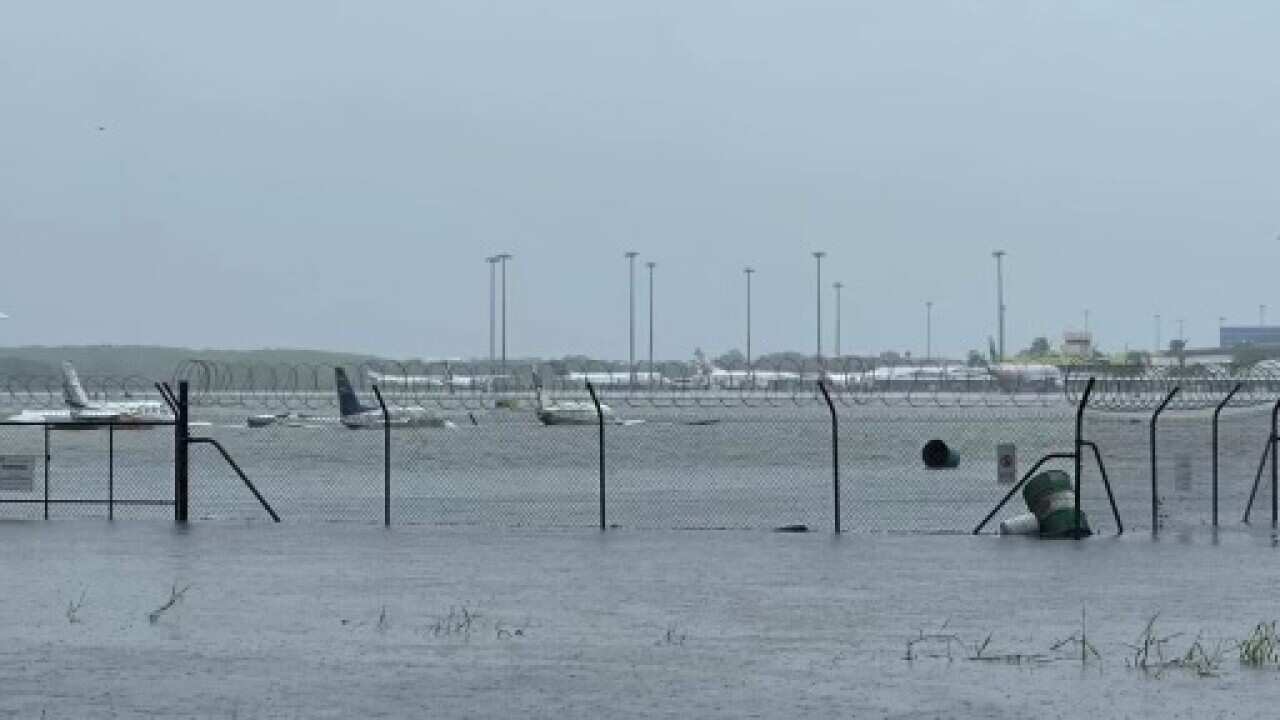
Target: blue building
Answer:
[[1229, 337]]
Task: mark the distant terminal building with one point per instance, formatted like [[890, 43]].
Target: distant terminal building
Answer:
[[1233, 336], [1077, 344]]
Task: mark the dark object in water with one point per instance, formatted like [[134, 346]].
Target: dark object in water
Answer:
[[1051, 496], [709, 421], [937, 454], [792, 529], [473, 419]]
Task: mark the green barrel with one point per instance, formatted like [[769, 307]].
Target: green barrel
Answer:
[[1051, 497]]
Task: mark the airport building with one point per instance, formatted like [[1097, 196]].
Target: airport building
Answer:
[[1232, 336], [1077, 344]]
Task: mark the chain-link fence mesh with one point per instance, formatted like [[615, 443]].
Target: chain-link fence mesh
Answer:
[[708, 456], [123, 471]]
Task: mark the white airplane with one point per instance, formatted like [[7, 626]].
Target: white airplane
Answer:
[[446, 380], [1028, 377], [909, 376], [81, 412], [567, 412], [60, 417], [356, 415], [127, 411], [603, 378], [715, 377]]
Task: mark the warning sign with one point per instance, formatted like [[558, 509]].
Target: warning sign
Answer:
[[1006, 464], [17, 473]]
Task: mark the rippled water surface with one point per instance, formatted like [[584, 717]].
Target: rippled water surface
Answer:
[[344, 620]]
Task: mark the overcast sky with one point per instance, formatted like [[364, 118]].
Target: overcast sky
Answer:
[[333, 175]]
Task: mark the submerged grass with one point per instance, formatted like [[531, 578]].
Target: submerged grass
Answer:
[[1260, 648], [73, 609], [1151, 653], [1080, 640], [175, 597], [673, 636], [458, 623]]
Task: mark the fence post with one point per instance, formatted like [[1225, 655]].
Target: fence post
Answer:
[[1217, 411], [1268, 449], [386, 458], [1079, 448], [600, 419], [835, 451], [46, 471], [1275, 473], [111, 471], [1155, 519], [181, 468]]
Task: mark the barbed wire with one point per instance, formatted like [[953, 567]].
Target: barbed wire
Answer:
[[471, 386]]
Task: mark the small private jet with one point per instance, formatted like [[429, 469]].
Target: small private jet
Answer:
[[81, 412]]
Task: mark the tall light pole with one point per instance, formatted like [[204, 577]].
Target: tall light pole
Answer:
[[1086, 320], [651, 265], [503, 258], [1158, 338], [748, 271], [1182, 324], [493, 312], [838, 286], [631, 310], [928, 330], [818, 256], [999, 256]]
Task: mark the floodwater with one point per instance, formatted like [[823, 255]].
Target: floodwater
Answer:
[[314, 620], [492, 596]]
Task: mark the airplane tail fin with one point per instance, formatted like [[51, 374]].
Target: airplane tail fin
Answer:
[[72, 392], [348, 403]]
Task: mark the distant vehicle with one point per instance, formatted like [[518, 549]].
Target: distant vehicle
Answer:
[[566, 412], [356, 415], [715, 377], [83, 413]]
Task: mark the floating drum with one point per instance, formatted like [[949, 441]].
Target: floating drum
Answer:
[[937, 454], [1051, 497]]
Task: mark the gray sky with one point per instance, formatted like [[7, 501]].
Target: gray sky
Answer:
[[333, 174]]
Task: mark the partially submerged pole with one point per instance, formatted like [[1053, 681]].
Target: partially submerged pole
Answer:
[[1155, 493]]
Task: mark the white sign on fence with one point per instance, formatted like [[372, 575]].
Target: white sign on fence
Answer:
[[17, 473], [1006, 464]]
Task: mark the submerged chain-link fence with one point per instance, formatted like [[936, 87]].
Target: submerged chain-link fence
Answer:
[[86, 470], [674, 457]]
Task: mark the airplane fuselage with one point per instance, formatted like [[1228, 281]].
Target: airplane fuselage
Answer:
[[400, 417]]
